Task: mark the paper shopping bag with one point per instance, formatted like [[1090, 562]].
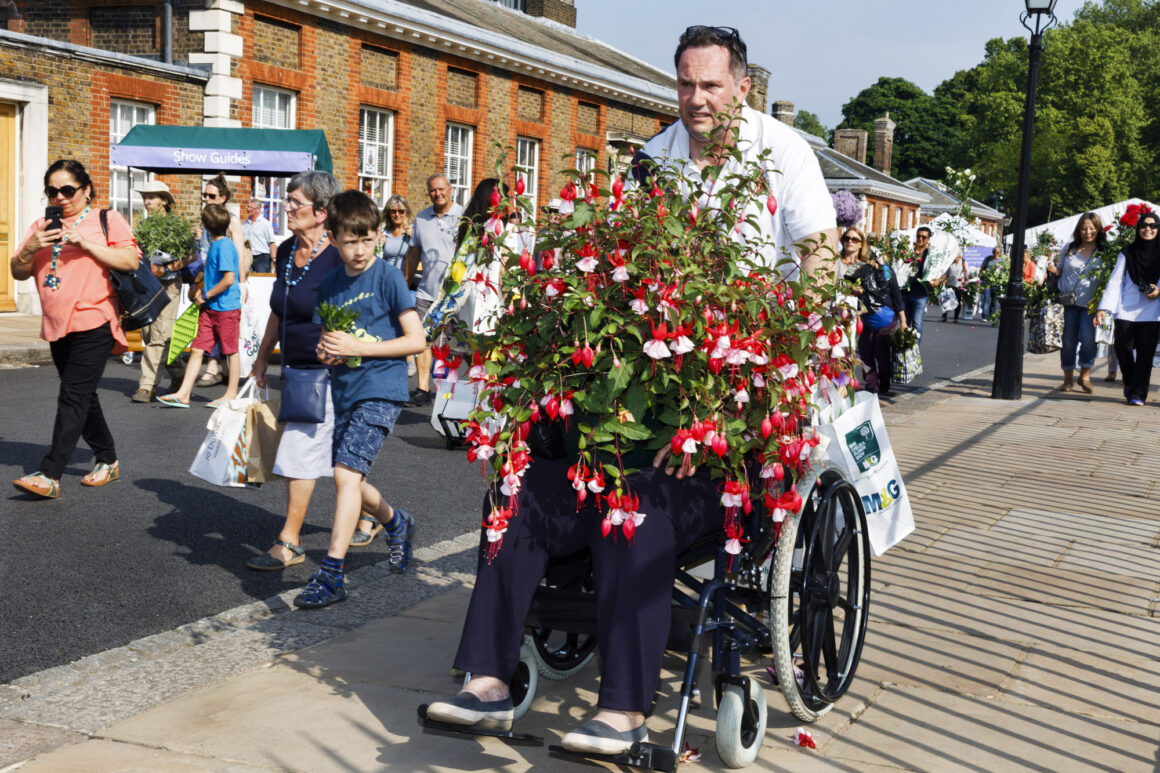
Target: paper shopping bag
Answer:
[[223, 455], [858, 444], [263, 433]]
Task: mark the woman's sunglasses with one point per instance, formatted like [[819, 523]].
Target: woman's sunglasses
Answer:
[[68, 191]]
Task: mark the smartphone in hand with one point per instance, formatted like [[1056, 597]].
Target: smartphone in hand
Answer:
[[53, 217]]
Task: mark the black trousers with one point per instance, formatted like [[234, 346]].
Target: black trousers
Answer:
[[1135, 347], [80, 361], [634, 581], [877, 355]]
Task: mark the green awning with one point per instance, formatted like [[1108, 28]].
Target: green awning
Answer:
[[204, 149]]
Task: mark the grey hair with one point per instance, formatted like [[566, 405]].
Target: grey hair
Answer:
[[319, 187]]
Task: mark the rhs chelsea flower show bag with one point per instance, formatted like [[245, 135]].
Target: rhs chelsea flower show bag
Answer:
[[859, 445], [223, 456]]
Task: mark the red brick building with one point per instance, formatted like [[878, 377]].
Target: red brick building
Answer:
[[402, 88]]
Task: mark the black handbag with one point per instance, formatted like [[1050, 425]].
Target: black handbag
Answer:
[[303, 394], [141, 295]]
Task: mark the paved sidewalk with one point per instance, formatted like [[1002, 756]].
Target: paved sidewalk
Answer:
[[1016, 629], [20, 341]]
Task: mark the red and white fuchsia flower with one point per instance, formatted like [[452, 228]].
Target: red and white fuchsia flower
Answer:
[[644, 324]]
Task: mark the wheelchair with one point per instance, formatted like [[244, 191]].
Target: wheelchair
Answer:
[[799, 589]]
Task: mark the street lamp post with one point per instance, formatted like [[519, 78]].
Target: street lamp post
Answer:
[[1008, 383]]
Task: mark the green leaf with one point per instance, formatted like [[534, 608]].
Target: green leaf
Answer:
[[619, 378]]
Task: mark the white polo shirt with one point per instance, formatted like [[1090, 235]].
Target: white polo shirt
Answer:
[[804, 205]]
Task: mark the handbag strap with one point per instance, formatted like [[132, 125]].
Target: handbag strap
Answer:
[[104, 217]]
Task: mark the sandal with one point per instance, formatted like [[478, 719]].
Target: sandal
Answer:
[[102, 474], [218, 403], [39, 484], [363, 538], [171, 401], [267, 563]]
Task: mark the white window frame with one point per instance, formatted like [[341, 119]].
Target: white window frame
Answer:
[[897, 218], [527, 167], [376, 142], [124, 115], [457, 160], [586, 160], [884, 216], [272, 190]]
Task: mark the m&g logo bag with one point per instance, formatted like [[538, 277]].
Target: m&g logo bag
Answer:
[[859, 446]]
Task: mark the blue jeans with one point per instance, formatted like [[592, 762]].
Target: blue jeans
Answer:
[[989, 304], [915, 306], [1078, 331]]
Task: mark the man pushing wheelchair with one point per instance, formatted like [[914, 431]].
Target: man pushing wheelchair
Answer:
[[650, 380]]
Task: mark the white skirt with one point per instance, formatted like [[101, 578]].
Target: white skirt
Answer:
[[305, 451]]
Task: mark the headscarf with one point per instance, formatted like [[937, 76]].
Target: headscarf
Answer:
[[1142, 258]]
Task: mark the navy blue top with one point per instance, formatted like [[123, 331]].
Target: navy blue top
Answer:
[[298, 332], [380, 295]]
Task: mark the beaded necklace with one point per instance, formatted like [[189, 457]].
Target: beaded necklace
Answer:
[[306, 268], [52, 279]]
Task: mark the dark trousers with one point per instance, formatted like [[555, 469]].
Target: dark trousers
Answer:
[[1135, 346], [874, 350], [634, 581], [80, 360]]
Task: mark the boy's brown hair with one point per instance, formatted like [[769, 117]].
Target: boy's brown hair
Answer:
[[216, 219], [353, 211]]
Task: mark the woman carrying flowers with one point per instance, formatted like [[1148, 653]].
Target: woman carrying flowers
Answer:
[[1075, 268], [645, 337], [877, 289], [1132, 297]]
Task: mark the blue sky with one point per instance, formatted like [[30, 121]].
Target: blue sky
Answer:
[[821, 52]]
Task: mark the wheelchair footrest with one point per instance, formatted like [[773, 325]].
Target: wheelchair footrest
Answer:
[[446, 728], [648, 756]]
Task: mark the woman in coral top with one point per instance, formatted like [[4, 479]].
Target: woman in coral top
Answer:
[[80, 321]]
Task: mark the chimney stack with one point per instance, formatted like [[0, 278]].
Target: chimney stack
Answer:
[[758, 87], [883, 143], [851, 143], [782, 110], [563, 11]]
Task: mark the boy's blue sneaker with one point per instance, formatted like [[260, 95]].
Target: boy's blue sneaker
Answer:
[[399, 534], [323, 590]]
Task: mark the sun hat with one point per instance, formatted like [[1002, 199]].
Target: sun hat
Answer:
[[156, 188]]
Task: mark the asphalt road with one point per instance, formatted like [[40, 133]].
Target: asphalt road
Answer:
[[99, 568]]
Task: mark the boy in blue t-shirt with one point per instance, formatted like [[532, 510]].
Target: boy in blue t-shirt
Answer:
[[221, 312], [368, 371]]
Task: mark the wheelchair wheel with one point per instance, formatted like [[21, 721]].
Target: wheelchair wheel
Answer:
[[740, 727], [821, 596], [524, 683], [558, 655]]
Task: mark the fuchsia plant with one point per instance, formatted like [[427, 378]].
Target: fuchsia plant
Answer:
[[650, 323]]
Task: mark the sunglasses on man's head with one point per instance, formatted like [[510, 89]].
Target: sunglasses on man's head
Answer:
[[68, 191], [728, 35]]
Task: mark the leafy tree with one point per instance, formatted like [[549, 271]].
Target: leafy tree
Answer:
[[809, 122]]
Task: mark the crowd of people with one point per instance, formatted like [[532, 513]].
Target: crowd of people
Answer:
[[390, 268]]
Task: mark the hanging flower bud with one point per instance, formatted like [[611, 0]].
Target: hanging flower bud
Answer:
[[520, 186], [495, 198], [771, 205]]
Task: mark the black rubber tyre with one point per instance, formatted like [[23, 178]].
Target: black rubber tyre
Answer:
[[820, 597], [524, 683]]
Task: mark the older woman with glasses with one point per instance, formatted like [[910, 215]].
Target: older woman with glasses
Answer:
[[397, 220], [69, 259], [1132, 297], [304, 453]]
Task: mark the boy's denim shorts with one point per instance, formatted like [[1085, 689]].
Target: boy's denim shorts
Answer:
[[359, 433]]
